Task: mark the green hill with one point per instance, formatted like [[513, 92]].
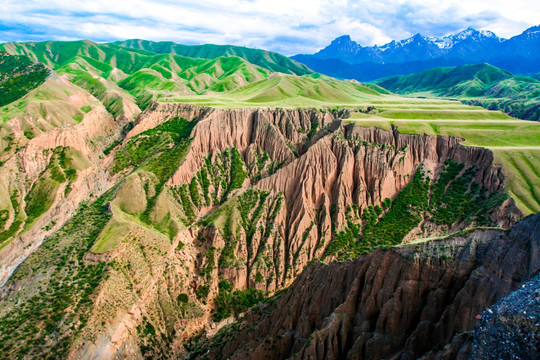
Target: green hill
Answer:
[[174, 75], [107, 71], [18, 76], [266, 59], [282, 90], [479, 84], [56, 54]]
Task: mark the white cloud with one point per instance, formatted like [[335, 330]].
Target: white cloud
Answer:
[[288, 26]]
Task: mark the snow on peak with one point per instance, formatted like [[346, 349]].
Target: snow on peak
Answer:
[[449, 41]]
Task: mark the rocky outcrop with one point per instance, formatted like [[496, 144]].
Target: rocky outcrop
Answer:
[[279, 132], [399, 303], [511, 328], [358, 166]]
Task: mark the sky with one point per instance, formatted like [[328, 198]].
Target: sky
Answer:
[[286, 26]]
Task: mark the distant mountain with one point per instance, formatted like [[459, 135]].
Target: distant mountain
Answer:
[[480, 84], [520, 54], [266, 59], [367, 71]]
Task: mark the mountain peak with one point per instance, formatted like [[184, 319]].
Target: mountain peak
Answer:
[[342, 44], [343, 40], [532, 31], [470, 33]]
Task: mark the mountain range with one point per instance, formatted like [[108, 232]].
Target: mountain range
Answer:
[[345, 58], [130, 74]]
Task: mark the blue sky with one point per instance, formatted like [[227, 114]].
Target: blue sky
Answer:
[[286, 26]]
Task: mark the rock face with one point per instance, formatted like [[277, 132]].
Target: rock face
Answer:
[[511, 328], [399, 303], [327, 167]]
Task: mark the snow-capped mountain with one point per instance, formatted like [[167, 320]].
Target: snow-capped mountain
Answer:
[[447, 42], [520, 54]]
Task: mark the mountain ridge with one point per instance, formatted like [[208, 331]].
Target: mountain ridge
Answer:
[[264, 58], [517, 54]]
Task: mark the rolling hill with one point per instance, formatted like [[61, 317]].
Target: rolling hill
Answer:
[[266, 59], [123, 77], [480, 84], [282, 90]]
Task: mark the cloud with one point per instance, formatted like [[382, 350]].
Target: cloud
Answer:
[[286, 26]]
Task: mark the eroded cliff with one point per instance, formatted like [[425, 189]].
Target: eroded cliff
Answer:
[[399, 303], [205, 212]]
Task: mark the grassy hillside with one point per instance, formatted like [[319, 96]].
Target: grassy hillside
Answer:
[[265, 59], [515, 143], [18, 76], [281, 90], [480, 84], [117, 75], [172, 75]]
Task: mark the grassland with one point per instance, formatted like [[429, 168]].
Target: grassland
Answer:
[[515, 143], [479, 84], [281, 90]]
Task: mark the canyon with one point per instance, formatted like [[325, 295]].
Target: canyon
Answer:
[[174, 222]]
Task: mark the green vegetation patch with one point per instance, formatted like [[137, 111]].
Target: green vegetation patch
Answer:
[[54, 289], [230, 302], [457, 196], [150, 144], [18, 76], [404, 214], [110, 237], [17, 222], [62, 168]]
